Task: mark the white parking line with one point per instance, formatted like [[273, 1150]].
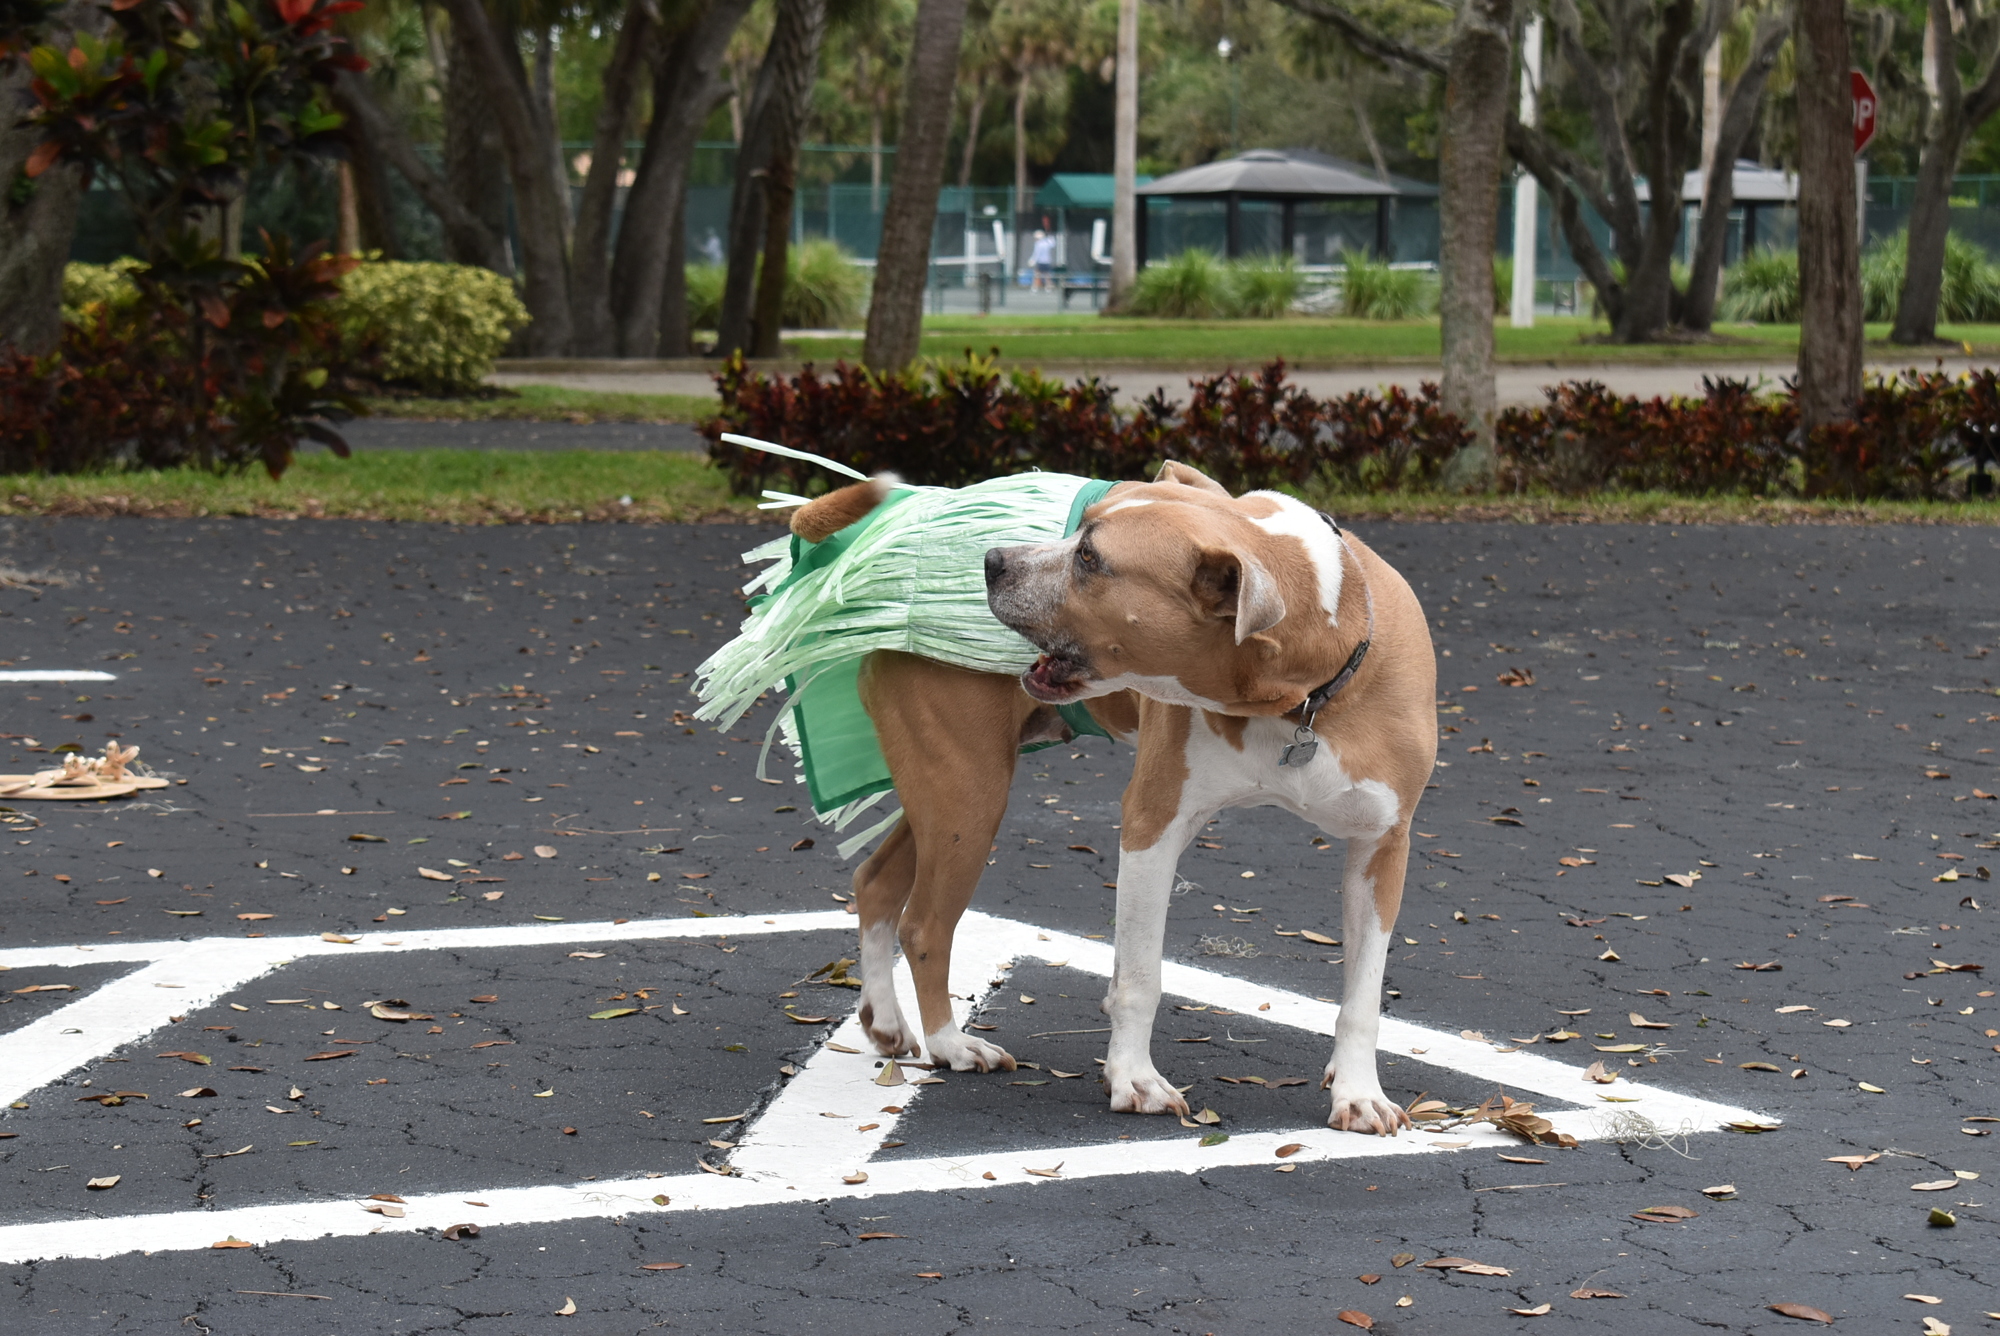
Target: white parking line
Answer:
[[55, 675], [788, 1153]]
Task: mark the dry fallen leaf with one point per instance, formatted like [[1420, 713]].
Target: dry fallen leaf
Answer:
[[1871, 1089], [1935, 1185], [661, 1266], [432, 874], [545, 851], [1045, 1173], [1539, 1310], [1354, 1317], [1933, 1327], [1720, 1192], [568, 1309], [866, 1238], [1854, 1162], [1802, 1312], [1522, 1159], [464, 1231], [856, 1177], [1924, 1298], [1317, 937], [1401, 1260], [1590, 1292], [1289, 1148], [109, 1181], [1664, 1215]]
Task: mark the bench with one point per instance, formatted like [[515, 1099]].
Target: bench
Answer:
[[1096, 287]]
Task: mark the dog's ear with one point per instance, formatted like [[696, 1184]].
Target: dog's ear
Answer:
[[1237, 587], [1187, 476]]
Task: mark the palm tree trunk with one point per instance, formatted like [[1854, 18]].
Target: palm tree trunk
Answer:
[[895, 315], [972, 129], [687, 86], [35, 231], [802, 25], [468, 239], [1020, 162], [1829, 250], [475, 166], [1736, 118], [1125, 261], [590, 257], [1930, 209], [542, 214], [1477, 78]]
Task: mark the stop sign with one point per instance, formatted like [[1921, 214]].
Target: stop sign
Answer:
[[1864, 108]]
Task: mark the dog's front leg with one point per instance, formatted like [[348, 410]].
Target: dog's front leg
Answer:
[[1372, 888], [1145, 886]]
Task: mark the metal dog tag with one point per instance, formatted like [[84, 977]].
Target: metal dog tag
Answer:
[[1301, 748]]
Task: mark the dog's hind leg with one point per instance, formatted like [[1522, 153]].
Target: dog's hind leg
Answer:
[[950, 737], [881, 888], [1372, 889]]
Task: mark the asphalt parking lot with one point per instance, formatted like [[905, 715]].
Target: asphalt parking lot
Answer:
[[1729, 782]]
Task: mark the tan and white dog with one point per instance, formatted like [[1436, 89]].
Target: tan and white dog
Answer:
[[1263, 658]]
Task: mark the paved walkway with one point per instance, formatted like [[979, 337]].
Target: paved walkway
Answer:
[[1517, 384]]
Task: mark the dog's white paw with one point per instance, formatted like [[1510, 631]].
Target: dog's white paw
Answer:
[[1143, 1091], [1363, 1108], [890, 1033], [962, 1052]]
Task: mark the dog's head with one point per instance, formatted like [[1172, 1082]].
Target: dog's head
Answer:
[[1184, 593]]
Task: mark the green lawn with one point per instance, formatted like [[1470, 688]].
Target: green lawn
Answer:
[[553, 403], [1088, 340], [450, 486], [551, 487]]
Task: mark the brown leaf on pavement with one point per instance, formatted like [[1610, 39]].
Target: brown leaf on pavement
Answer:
[[1354, 1317], [1803, 1312]]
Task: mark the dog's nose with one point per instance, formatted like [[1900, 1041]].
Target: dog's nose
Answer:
[[996, 565]]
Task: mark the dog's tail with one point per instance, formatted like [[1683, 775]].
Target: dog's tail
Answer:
[[818, 520]]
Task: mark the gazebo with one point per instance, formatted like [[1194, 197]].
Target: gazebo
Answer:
[[1270, 201]]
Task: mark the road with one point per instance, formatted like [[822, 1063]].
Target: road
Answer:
[[1740, 747]]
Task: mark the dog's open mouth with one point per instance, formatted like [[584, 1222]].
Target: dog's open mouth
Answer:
[[1055, 679]]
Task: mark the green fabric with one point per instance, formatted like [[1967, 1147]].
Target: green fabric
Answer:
[[909, 575]]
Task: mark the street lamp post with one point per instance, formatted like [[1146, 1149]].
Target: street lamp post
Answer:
[[1223, 48]]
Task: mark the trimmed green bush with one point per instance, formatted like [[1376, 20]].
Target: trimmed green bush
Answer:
[[1374, 291], [1264, 289], [1191, 286], [824, 289], [1762, 287], [434, 326], [704, 295], [86, 285], [1971, 289]]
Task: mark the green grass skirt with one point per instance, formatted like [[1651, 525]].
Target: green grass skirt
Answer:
[[910, 576]]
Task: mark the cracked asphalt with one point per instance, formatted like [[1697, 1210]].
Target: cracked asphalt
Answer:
[[1668, 754]]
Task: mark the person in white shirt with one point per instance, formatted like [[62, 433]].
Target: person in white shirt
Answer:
[[1043, 259]]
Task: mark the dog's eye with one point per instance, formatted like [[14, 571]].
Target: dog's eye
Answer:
[[1086, 556]]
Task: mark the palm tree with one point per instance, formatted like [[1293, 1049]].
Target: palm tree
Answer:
[[895, 313]]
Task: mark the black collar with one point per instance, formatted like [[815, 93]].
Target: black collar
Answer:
[[1320, 696]]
